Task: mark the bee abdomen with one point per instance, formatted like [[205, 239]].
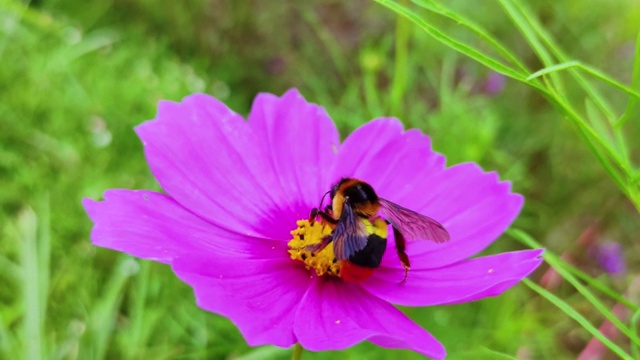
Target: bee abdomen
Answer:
[[371, 255]]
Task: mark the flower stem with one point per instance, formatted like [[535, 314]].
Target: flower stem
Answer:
[[297, 352]]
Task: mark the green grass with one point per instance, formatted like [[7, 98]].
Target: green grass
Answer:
[[76, 78]]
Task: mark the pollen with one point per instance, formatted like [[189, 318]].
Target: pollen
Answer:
[[307, 234]]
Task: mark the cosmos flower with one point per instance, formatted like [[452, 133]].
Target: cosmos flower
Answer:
[[237, 194]]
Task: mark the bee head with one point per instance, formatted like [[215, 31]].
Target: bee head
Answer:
[[357, 191], [336, 187]]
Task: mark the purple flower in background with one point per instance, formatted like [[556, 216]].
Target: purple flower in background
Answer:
[[236, 192], [494, 83], [610, 256]]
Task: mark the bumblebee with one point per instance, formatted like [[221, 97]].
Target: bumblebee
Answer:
[[355, 215]]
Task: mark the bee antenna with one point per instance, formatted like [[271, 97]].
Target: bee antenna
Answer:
[[322, 200]]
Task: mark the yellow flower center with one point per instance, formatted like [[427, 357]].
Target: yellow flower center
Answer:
[[324, 261]]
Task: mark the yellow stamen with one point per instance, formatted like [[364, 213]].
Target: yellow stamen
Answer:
[[324, 262]]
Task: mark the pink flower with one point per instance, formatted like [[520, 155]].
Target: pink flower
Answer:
[[235, 189]]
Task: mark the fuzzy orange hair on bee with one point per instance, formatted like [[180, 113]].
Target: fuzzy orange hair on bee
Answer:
[[356, 238]]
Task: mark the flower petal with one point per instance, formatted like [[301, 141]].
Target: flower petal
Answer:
[[259, 296], [468, 280], [300, 139], [334, 315], [388, 158], [206, 157], [474, 206], [153, 226]]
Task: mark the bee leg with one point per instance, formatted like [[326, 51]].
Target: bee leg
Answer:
[[327, 218], [319, 246], [325, 215], [313, 215], [401, 247]]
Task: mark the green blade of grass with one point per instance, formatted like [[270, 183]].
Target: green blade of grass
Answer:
[[468, 50], [595, 95], [552, 68], [475, 28], [635, 84], [555, 261], [523, 17], [138, 314], [612, 136], [532, 38], [594, 118], [522, 11], [104, 312], [557, 264], [526, 14], [498, 355], [601, 287], [401, 68], [635, 319], [589, 70], [44, 256], [610, 168], [461, 47], [567, 309], [28, 225], [588, 133]]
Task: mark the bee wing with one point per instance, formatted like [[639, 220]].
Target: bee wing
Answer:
[[413, 226], [350, 234]]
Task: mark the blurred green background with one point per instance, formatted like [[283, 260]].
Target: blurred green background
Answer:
[[76, 76]]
